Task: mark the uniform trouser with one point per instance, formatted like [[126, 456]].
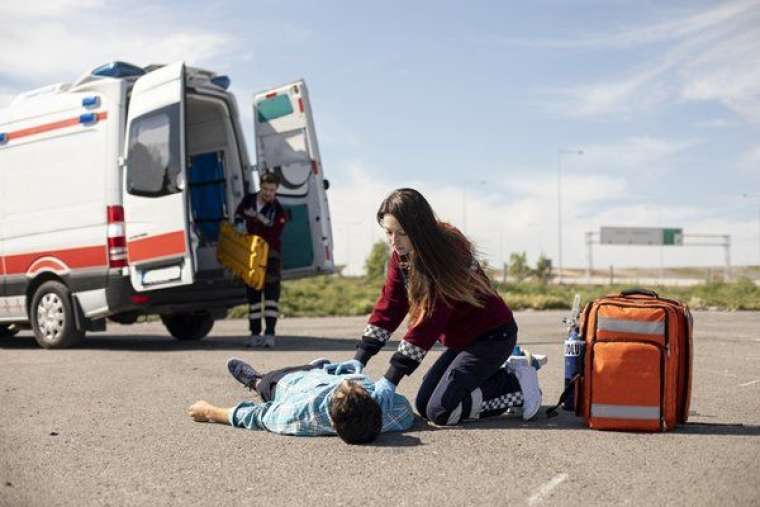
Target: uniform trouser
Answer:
[[270, 308], [470, 383], [268, 382]]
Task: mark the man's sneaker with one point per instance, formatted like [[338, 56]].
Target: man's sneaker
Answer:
[[243, 372], [527, 376]]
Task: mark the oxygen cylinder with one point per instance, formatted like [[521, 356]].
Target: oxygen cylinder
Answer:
[[574, 348]]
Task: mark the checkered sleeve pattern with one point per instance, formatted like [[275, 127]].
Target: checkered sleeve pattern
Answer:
[[504, 401], [373, 339], [377, 333], [411, 351]]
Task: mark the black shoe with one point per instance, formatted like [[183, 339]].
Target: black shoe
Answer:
[[243, 372]]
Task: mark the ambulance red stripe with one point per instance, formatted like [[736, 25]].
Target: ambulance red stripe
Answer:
[[47, 127], [74, 258], [162, 245]]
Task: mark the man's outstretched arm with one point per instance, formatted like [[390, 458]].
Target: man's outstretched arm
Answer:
[[203, 411]]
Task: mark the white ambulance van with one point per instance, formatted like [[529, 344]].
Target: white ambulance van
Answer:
[[112, 189]]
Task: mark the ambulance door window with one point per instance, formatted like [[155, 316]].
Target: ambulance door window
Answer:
[[153, 160]]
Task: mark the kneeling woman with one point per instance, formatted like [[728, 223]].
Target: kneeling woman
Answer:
[[434, 277]]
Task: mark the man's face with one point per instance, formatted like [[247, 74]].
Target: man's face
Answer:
[[268, 192]]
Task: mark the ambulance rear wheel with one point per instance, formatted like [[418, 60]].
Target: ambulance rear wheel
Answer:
[[188, 326], [53, 317]]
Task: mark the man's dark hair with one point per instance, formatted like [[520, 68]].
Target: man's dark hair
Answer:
[[269, 177], [356, 416]]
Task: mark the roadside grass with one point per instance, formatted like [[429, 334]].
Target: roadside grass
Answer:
[[741, 294], [345, 296]]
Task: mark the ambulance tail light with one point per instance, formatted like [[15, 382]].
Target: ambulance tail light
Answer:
[[139, 299], [117, 240]]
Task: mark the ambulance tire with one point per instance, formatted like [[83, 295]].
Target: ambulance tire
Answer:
[[53, 317], [188, 326], [7, 331]]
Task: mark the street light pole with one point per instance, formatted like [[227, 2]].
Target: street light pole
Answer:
[[561, 152]]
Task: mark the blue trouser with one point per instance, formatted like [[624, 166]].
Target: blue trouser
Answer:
[[469, 383]]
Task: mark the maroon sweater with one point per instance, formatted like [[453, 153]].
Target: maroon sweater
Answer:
[[455, 326], [269, 223]]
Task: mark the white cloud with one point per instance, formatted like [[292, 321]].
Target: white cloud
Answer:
[[497, 226], [729, 73], [47, 8], [528, 221], [681, 27], [638, 90], [641, 154], [713, 56], [70, 38]]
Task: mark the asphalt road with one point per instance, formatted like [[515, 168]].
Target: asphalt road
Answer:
[[105, 424]]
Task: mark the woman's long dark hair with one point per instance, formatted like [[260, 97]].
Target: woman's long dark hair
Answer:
[[442, 261]]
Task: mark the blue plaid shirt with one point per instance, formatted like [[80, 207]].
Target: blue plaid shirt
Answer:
[[301, 406]]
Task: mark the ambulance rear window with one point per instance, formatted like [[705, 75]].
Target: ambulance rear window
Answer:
[[154, 161], [273, 108]]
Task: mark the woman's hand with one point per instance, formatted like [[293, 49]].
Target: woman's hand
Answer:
[[350, 366]]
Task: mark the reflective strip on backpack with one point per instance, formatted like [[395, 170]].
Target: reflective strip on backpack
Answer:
[[625, 411], [631, 326]]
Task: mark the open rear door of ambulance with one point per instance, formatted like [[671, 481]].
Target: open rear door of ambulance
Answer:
[[155, 202], [286, 144]]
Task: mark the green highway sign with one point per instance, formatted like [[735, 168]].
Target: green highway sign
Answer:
[[672, 237]]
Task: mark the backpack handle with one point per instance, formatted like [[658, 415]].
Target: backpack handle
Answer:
[[639, 291]]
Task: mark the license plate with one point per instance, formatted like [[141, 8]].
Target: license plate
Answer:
[[161, 275]]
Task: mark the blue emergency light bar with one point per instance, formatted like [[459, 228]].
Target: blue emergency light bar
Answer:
[[118, 70], [3, 137], [91, 101], [221, 81], [88, 118]]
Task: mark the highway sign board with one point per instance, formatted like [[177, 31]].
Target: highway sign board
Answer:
[[641, 236]]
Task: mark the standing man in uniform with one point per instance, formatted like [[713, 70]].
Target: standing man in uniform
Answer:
[[264, 216]]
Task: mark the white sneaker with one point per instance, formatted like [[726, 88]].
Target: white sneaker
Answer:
[[527, 376]]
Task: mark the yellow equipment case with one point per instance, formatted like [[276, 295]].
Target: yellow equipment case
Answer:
[[243, 254]]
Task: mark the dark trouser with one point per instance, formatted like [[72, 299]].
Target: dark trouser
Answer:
[[268, 382], [271, 308], [469, 383]]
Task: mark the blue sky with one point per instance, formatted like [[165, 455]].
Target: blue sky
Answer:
[[474, 104]]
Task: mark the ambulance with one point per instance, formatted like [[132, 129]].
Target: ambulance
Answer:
[[113, 188]]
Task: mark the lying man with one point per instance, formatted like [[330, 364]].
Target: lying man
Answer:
[[320, 398]]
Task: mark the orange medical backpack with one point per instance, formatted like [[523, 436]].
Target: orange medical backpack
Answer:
[[637, 363]]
